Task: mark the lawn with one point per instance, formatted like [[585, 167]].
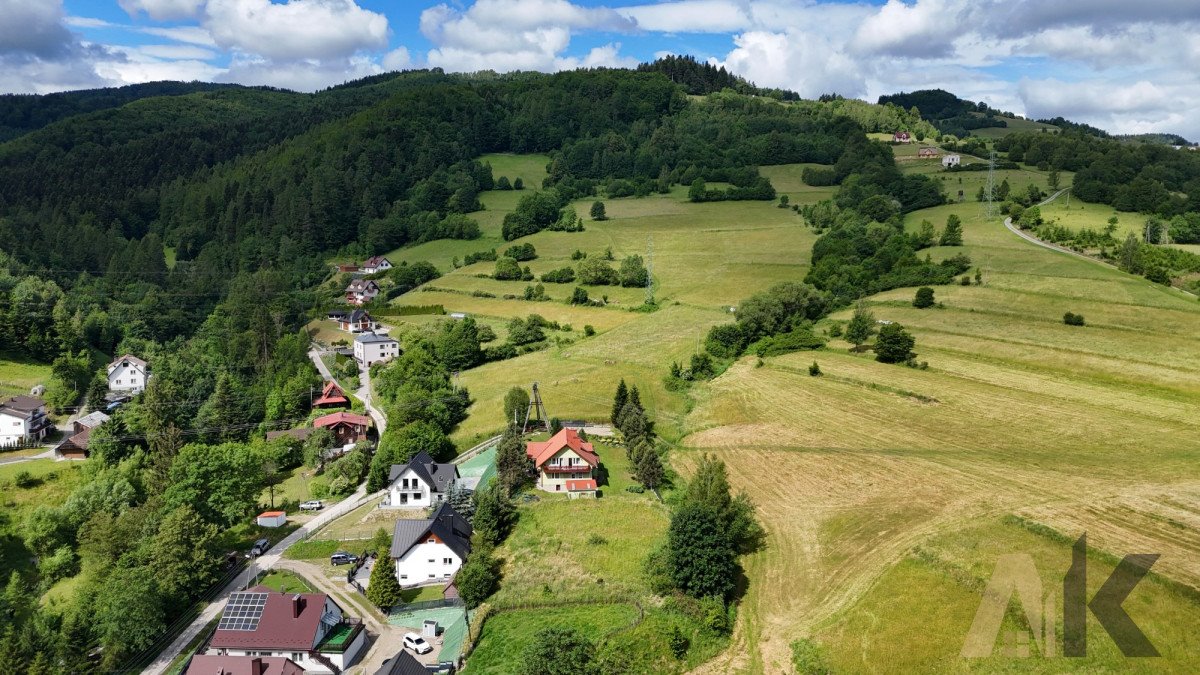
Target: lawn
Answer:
[[506, 635], [285, 581], [18, 374], [50, 483]]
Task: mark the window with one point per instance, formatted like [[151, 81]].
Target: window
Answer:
[[431, 560], [403, 576], [431, 541], [447, 561], [431, 575]]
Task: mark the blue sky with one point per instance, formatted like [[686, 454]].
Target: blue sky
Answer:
[[1127, 67]]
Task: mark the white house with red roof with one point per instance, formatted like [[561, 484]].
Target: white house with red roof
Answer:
[[565, 463], [308, 628], [128, 373], [361, 291]]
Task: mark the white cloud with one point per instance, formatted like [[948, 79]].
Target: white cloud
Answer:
[[516, 34], [607, 56], [299, 75], [925, 29], [299, 29], [190, 34], [799, 61], [690, 16], [397, 59], [162, 10]]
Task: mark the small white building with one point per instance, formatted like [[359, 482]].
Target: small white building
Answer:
[[128, 374], [23, 421], [430, 551], [308, 628], [420, 483], [272, 519], [951, 160], [375, 264], [372, 348]]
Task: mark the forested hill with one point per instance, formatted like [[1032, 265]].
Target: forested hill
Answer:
[[22, 113], [949, 113]]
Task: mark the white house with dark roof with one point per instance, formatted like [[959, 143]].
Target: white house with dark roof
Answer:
[[128, 374], [23, 421], [432, 550], [375, 264], [372, 348], [420, 483], [361, 291]]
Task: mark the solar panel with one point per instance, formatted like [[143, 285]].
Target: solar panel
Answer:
[[243, 611]]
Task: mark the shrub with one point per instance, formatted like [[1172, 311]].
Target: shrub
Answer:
[[481, 256], [785, 343], [638, 489], [588, 331], [507, 269], [678, 641], [923, 298], [965, 281], [1073, 319], [597, 272], [835, 331], [596, 540], [24, 479], [521, 252], [579, 296], [814, 369], [598, 211], [894, 344], [807, 658], [563, 275]]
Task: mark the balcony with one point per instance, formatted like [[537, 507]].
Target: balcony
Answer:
[[567, 468]]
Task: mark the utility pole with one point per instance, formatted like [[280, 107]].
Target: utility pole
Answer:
[[536, 412]]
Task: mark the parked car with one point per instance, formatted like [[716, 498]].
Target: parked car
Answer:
[[260, 547], [312, 505], [342, 558], [417, 643]]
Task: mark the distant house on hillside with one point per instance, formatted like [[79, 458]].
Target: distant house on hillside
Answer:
[[310, 629], [347, 427], [23, 421], [75, 446], [927, 153], [331, 396], [347, 268], [353, 321], [430, 551], [901, 137], [371, 348], [361, 291], [128, 374], [375, 264], [565, 463], [421, 482], [951, 160]]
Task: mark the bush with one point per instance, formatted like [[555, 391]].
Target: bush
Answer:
[[479, 257], [24, 479], [588, 331], [579, 296], [807, 658], [1073, 319], [521, 252], [679, 643], [637, 489], [507, 269], [563, 275], [814, 370], [924, 297], [797, 340], [597, 272], [894, 344]]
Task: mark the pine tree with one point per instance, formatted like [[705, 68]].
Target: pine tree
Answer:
[[598, 212], [650, 469], [512, 463], [633, 424], [384, 591], [619, 401], [462, 501]]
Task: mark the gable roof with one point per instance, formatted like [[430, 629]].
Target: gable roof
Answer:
[[446, 524], [203, 664], [133, 360], [278, 629], [355, 316], [343, 417], [567, 438], [402, 663], [92, 419], [437, 476], [331, 393], [25, 404], [375, 260], [359, 285], [372, 338], [583, 485], [299, 433]]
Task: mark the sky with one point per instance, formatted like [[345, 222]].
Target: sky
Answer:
[[1128, 67]]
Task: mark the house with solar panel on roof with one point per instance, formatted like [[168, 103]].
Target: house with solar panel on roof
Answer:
[[431, 550], [309, 628]]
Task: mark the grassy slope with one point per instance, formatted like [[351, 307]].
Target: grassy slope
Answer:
[[18, 374], [1077, 428]]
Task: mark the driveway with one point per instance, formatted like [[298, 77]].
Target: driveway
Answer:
[[266, 561]]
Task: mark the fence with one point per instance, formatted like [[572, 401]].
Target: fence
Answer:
[[139, 661], [427, 604]]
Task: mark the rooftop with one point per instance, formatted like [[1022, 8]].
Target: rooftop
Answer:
[[262, 619], [567, 438], [370, 338]]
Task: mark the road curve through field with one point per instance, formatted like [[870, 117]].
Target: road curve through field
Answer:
[[1055, 247]]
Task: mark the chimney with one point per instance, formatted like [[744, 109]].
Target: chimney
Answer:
[[256, 666], [297, 605]]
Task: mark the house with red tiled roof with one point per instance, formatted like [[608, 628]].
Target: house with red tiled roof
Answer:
[[375, 264], [347, 427], [902, 137], [203, 664], [310, 629], [331, 396], [565, 463]]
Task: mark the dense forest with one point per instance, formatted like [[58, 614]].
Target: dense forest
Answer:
[[949, 113]]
